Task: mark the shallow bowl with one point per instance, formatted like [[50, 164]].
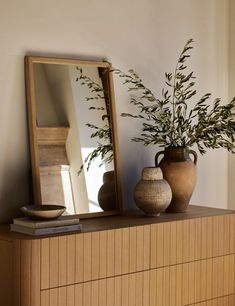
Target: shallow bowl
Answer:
[[43, 211]]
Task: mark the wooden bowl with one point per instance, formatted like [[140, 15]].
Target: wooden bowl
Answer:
[[42, 212]]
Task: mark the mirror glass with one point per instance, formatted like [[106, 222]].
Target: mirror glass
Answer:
[[73, 143]]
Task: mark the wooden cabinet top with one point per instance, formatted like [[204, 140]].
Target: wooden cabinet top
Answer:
[[128, 219]]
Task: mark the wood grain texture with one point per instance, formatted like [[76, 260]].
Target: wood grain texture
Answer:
[[125, 267], [176, 285]]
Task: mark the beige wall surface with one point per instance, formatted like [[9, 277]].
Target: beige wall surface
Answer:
[[143, 34]]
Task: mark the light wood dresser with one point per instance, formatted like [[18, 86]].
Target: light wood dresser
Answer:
[[171, 260]]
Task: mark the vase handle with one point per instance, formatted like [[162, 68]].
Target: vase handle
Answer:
[[156, 157], [194, 155]]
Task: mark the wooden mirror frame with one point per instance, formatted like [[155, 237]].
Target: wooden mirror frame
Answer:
[[31, 107]]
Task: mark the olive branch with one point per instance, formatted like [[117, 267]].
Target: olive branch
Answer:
[[173, 119]]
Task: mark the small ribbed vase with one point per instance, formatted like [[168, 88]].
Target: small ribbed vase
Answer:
[[152, 193]]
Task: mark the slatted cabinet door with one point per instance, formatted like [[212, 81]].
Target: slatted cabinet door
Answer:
[[83, 257], [175, 263], [157, 287]]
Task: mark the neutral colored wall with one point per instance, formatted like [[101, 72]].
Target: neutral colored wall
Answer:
[[144, 34]]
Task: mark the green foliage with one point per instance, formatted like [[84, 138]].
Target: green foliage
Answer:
[[103, 134], [173, 119]]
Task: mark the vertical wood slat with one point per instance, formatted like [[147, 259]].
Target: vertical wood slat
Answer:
[[118, 252], [16, 272], [172, 285], [159, 286], [216, 230], [45, 298], [102, 292], [179, 244], [110, 253], [71, 259], [132, 290], [166, 243], [62, 296], [79, 266], [139, 288], [232, 234], [53, 262], [103, 254], [133, 249], [94, 293], [95, 250], [186, 237], [192, 239], [146, 258], [118, 291], [198, 239], [125, 250], [87, 294], [209, 233], [45, 263], [152, 287], [53, 297], [153, 243], [87, 256], [140, 248], [62, 250], [78, 296], [70, 301], [25, 272], [35, 274], [160, 245], [173, 243], [203, 254], [110, 291]]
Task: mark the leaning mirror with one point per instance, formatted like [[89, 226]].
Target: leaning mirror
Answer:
[[73, 139]]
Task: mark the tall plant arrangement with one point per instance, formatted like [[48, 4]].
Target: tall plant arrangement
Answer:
[[176, 119]]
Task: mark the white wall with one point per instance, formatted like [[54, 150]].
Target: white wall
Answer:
[[144, 34]]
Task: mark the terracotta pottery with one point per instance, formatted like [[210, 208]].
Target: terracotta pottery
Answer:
[[107, 192], [152, 193], [180, 172]]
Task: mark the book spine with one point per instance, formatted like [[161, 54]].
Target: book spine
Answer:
[[60, 229]]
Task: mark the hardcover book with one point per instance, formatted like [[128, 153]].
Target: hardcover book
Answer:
[[61, 221], [46, 230]]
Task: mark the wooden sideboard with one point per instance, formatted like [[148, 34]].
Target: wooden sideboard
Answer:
[[132, 260]]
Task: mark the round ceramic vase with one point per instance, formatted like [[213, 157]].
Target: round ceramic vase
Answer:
[[107, 192], [152, 193]]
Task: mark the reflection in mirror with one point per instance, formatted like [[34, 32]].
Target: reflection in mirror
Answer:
[[73, 144]]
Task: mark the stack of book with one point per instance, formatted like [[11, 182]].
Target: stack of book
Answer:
[[63, 224]]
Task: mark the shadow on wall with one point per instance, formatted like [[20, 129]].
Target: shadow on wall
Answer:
[[15, 194]]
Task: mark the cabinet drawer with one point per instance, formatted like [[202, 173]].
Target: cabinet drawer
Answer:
[[84, 257], [178, 285]]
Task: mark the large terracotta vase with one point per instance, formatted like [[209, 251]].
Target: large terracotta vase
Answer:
[[180, 172]]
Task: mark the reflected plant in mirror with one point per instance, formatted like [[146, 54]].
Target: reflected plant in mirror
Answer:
[[72, 131], [98, 102]]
